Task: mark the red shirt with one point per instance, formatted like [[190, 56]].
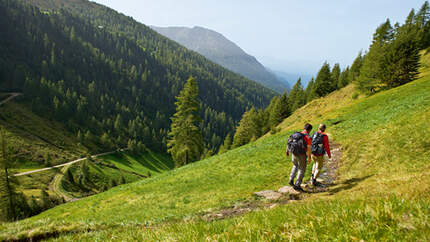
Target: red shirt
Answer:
[[308, 138], [326, 144]]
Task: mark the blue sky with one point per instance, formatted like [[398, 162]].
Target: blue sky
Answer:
[[291, 36]]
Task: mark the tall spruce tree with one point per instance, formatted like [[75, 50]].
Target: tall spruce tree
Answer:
[[226, 145], [343, 78], [297, 96], [249, 128], [275, 115], [335, 75], [186, 142], [354, 71], [422, 19], [402, 54], [310, 92], [7, 204], [324, 82], [285, 106], [375, 65]]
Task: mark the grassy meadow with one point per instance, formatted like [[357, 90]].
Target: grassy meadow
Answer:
[[382, 190]]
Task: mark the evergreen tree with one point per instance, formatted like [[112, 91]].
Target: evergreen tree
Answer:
[[335, 75], [275, 117], [374, 68], [7, 203], [34, 205], [297, 96], [323, 83], [402, 55], [226, 145], [285, 106], [249, 128], [393, 57], [423, 21], [354, 71], [266, 115], [186, 144], [85, 171], [46, 200], [343, 79], [310, 92], [69, 176]]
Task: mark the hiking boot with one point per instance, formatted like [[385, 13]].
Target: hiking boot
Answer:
[[298, 188], [291, 182]]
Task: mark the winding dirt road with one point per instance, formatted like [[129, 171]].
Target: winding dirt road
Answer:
[[65, 164], [12, 96]]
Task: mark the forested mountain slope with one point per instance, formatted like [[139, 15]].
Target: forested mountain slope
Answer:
[[381, 192], [219, 49], [110, 79]]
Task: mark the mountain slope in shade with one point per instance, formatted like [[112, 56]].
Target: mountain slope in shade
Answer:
[[219, 49]]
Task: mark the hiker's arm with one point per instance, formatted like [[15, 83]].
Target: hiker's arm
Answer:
[[327, 146]]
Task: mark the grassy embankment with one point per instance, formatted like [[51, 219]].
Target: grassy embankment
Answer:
[[115, 169], [32, 140], [382, 192]]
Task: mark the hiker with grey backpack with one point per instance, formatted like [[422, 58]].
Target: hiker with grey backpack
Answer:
[[299, 145], [320, 147]]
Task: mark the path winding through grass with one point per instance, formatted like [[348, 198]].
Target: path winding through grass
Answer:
[[12, 96], [65, 164]]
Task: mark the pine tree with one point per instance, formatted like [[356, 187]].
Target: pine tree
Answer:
[[266, 115], [226, 145], [7, 203], [186, 142], [310, 92], [343, 79], [85, 171], [323, 83], [335, 75], [249, 128], [69, 176], [402, 55], [297, 96], [422, 21], [285, 106], [275, 117], [354, 71], [34, 205], [46, 200], [375, 65]]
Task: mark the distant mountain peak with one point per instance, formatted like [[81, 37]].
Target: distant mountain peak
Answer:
[[218, 48]]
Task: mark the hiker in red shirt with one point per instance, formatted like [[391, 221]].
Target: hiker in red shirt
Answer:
[[299, 144], [320, 147]]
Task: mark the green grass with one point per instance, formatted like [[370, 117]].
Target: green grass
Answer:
[[142, 164], [31, 137], [382, 192], [116, 167]]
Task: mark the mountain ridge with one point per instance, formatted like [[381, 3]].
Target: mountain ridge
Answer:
[[223, 51]]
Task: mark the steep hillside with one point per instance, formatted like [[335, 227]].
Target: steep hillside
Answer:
[[109, 78], [381, 192], [219, 49]]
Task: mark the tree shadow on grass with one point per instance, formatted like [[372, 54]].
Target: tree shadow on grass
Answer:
[[348, 184]]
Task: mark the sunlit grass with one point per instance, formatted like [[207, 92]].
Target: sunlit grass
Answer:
[[382, 192]]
